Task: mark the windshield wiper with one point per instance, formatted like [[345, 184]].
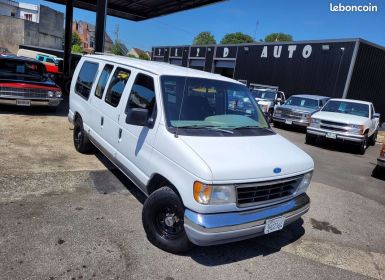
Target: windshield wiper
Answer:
[[251, 127], [211, 127]]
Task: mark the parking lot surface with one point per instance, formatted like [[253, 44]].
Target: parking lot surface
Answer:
[[64, 215]]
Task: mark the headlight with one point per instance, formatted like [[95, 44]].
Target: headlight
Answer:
[[58, 94], [213, 194], [264, 108], [50, 94], [356, 128], [305, 182], [315, 122]]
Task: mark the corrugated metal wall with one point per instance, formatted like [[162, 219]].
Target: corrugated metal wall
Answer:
[[324, 72], [368, 79]]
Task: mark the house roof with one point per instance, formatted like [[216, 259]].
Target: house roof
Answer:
[[140, 9]]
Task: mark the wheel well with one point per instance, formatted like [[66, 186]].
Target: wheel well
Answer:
[[77, 115], [157, 181]]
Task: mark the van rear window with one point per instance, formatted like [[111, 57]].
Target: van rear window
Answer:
[[86, 78]]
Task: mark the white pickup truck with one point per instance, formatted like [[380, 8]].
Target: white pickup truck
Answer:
[[345, 120]]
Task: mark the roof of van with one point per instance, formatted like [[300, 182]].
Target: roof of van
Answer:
[[160, 68]]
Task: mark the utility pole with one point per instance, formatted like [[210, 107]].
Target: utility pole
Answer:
[[117, 32]]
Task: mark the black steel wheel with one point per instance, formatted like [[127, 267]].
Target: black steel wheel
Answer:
[[81, 141], [163, 221]]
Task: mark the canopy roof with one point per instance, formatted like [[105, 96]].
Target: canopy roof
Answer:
[[140, 9]]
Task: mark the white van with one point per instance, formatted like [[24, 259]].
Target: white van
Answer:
[[196, 144]]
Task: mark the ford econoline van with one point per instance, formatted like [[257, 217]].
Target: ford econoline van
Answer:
[[196, 144]]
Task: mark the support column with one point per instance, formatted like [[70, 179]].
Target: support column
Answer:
[[68, 37], [101, 15]]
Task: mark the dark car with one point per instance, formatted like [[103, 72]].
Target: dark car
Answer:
[[298, 109], [24, 82]]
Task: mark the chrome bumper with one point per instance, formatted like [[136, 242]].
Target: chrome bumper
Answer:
[[211, 229], [301, 122], [339, 135], [34, 102], [381, 162]]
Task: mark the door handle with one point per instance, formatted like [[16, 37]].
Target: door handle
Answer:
[[101, 121], [120, 134]]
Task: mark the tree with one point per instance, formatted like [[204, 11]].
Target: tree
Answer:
[[76, 40], [204, 38], [143, 56], [76, 49], [117, 48], [278, 37], [236, 38]]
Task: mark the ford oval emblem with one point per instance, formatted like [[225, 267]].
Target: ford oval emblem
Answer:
[[277, 170]]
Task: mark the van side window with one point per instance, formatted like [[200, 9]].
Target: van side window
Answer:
[[142, 94], [116, 86], [86, 78], [103, 79]]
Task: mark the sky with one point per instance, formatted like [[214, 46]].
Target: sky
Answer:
[[303, 19]]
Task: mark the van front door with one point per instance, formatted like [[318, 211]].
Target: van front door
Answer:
[[135, 145]]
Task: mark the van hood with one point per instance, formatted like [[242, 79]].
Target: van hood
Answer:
[[242, 159], [339, 117]]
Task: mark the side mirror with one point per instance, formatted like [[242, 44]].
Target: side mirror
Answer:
[[376, 115], [137, 116]]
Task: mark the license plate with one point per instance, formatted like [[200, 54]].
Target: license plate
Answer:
[[331, 135], [274, 224], [22, 102], [288, 122]]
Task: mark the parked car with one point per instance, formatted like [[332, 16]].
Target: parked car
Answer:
[[51, 62], [381, 158], [24, 82], [267, 99], [193, 142], [298, 109], [346, 120]]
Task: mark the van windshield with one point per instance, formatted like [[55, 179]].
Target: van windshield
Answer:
[[211, 105]]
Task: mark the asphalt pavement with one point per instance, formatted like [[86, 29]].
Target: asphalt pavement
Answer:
[[64, 215]]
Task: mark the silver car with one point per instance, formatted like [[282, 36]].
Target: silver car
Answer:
[[296, 111]]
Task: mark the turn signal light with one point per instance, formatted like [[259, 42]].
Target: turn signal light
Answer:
[[202, 192]]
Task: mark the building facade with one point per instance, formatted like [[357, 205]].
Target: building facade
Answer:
[[351, 68], [19, 10], [86, 33], [30, 25]]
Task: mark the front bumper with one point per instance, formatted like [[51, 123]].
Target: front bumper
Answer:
[[288, 121], [381, 162], [33, 102], [211, 229], [339, 135]]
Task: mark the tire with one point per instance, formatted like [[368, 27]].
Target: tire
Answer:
[[277, 124], [373, 139], [363, 146], [162, 204], [81, 142], [309, 139]]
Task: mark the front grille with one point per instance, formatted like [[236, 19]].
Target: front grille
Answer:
[[335, 126], [333, 123], [285, 113], [23, 92], [265, 192]]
